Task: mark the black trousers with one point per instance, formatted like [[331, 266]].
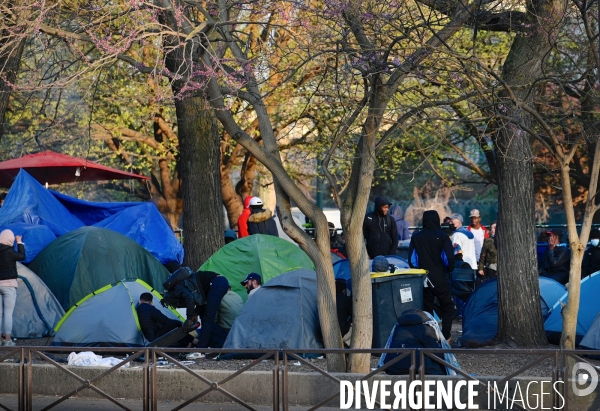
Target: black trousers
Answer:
[[441, 290]]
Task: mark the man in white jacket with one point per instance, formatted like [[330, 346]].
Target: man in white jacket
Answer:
[[465, 239]]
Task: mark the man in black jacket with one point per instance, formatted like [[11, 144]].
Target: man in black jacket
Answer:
[[591, 258], [431, 250], [155, 324], [380, 231], [557, 258], [201, 295], [261, 221]]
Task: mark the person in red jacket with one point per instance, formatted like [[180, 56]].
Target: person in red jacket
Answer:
[[243, 219]]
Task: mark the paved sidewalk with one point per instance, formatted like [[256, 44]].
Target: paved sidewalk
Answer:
[[87, 404]]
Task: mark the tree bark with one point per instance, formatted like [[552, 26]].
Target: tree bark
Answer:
[[201, 186], [198, 142], [518, 285], [519, 319]]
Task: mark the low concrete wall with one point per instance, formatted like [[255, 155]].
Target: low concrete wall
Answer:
[[254, 387]]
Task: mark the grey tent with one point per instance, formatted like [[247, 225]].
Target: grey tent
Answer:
[[281, 314], [107, 317], [37, 310], [591, 340]]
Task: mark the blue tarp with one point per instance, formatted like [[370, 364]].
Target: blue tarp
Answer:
[[36, 237], [589, 307], [144, 224], [90, 212], [341, 269], [41, 215], [29, 202]]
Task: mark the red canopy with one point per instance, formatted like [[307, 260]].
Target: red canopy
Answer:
[[55, 168]]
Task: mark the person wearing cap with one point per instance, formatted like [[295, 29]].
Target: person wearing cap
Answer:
[[458, 258], [465, 239], [479, 231], [380, 230], [242, 222], [557, 258], [591, 258], [261, 220], [230, 236], [380, 264], [431, 250], [252, 283]]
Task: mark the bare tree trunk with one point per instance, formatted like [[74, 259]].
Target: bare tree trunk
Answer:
[[578, 243], [518, 284], [520, 321], [199, 143], [199, 162]]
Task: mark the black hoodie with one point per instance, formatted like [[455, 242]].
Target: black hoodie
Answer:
[[431, 248], [381, 232]]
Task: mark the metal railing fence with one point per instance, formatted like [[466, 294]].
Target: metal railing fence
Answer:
[[149, 358]]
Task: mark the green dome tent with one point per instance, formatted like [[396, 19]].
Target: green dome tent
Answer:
[[107, 317], [266, 255], [86, 259]]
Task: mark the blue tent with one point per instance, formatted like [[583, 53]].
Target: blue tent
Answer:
[[29, 202], [90, 212], [591, 341], [144, 224], [36, 237], [480, 316], [341, 269], [589, 307], [282, 314], [550, 292]]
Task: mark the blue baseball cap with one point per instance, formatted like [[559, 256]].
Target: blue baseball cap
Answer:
[[251, 276]]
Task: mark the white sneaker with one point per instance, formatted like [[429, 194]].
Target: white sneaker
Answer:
[[8, 343], [195, 356]]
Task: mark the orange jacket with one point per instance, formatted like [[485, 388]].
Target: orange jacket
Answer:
[[243, 219]]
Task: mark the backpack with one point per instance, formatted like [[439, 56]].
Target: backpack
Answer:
[[182, 276], [178, 276]]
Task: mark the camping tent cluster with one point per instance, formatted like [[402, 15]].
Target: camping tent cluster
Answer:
[[76, 247], [107, 316], [480, 316], [95, 259], [587, 333]]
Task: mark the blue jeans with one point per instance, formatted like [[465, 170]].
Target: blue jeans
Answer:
[[8, 298], [218, 288]]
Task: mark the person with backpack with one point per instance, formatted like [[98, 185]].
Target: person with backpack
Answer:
[[200, 293], [432, 250]]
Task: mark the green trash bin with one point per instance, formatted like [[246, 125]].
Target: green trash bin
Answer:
[[394, 293]]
